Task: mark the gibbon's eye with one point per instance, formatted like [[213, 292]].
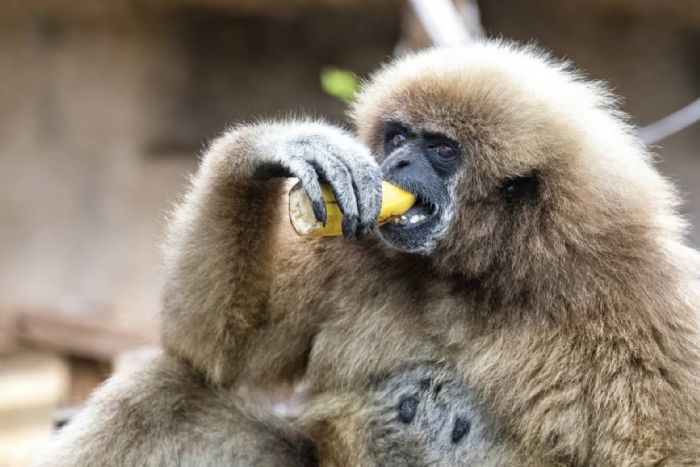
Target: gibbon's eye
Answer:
[[520, 187], [444, 150], [397, 139], [396, 136]]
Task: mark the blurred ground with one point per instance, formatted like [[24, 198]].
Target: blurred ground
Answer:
[[107, 104]]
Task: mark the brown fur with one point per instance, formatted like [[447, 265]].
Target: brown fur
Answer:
[[572, 319], [158, 412]]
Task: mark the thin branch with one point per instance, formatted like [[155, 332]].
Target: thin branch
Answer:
[[441, 22], [674, 123]]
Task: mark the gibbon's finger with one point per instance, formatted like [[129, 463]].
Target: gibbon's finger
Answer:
[[349, 225], [308, 177], [367, 184], [368, 190], [334, 172]]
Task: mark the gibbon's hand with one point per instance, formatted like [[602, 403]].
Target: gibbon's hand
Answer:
[[316, 152]]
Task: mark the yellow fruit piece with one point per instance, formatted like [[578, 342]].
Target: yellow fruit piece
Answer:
[[395, 201]]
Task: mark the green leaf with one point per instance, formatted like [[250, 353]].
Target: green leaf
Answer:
[[340, 83]]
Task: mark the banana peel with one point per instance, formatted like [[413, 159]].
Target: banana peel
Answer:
[[395, 202]]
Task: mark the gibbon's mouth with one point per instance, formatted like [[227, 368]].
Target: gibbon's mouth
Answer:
[[417, 228], [419, 222], [425, 210]]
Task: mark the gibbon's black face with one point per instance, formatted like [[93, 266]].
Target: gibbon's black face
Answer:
[[423, 163]]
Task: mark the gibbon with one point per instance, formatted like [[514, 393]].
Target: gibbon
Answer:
[[538, 305]]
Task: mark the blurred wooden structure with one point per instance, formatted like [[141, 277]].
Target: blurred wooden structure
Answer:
[[31, 385]]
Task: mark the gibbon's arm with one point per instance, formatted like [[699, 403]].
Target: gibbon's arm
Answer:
[[220, 249], [157, 411]]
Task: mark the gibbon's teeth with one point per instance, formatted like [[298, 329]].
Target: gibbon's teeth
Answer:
[[402, 220], [417, 218]]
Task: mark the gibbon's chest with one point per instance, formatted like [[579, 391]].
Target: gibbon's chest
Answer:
[[369, 337]]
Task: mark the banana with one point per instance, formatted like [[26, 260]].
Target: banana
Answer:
[[395, 201]]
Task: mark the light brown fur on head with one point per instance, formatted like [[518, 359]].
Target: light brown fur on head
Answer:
[[515, 111]]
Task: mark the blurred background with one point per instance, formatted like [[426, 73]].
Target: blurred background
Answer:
[[105, 106]]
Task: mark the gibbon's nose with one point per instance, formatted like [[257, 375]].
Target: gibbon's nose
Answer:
[[405, 163]]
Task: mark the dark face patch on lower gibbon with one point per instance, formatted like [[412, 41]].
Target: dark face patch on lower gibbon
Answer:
[[423, 163], [422, 413]]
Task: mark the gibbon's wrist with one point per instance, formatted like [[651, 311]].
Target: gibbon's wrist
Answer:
[[278, 141], [257, 150]]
